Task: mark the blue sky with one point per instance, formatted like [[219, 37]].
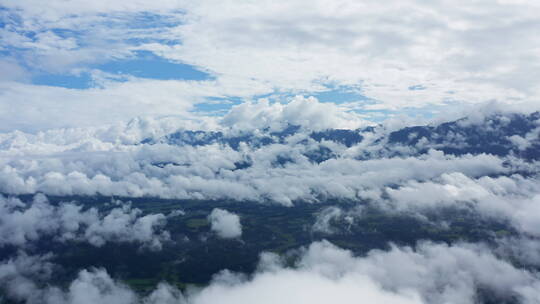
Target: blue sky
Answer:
[[141, 65], [162, 58]]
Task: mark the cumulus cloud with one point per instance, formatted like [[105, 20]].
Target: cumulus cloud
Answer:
[[430, 273], [225, 224], [19, 275], [426, 274], [112, 161], [190, 174], [25, 222], [306, 112], [514, 199], [118, 161], [439, 273]]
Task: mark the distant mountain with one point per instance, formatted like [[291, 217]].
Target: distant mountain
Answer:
[[499, 134], [201, 138]]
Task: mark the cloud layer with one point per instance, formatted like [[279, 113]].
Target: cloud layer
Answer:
[[396, 170], [22, 223], [268, 103], [425, 274]]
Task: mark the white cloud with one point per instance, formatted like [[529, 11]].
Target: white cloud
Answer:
[[452, 50], [110, 161], [225, 224], [97, 286], [514, 199], [429, 273], [208, 172], [13, 71], [303, 287], [306, 112], [59, 9], [439, 273], [447, 53], [18, 275], [65, 37], [399, 54], [33, 108], [22, 223]]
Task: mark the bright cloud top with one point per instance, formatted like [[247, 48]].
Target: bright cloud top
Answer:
[[225, 224], [22, 223], [392, 56], [323, 273]]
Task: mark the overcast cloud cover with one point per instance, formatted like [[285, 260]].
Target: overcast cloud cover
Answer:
[[269, 102]]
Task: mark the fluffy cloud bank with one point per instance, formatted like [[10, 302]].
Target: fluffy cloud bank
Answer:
[[225, 224], [153, 158], [271, 163], [22, 223], [306, 112], [209, 172], [514, 199], [429, 273]]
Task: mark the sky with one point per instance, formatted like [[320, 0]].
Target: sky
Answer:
[[90, 63], [101, 99]]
